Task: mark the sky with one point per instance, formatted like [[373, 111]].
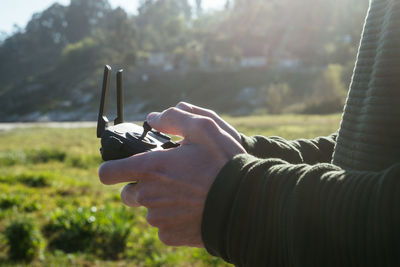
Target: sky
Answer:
[[19, 12]]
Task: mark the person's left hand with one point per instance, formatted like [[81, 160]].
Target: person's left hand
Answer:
[[173, 184]]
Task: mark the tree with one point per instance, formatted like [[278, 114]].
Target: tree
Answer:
[[83, 16], [329, 87], [199, 8], [227, 5], [3, 36], [162, 24], [276, 98], [329, 93]]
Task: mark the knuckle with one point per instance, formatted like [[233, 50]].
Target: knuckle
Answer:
[[211, 113], [215, 116], [170, 112], [206, 124], [184, 106]]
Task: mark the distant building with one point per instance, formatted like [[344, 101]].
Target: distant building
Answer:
[[168, 67], [287, 60], [289, 63], [253, 54], [161, 60], [157, 59], [253, 62]]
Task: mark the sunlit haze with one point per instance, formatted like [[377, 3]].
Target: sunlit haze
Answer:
[[19, 12]]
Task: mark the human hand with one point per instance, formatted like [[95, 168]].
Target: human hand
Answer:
[[173, 184], [212, 115]]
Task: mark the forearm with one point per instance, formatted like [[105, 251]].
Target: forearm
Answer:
[[271, 213], [310, 151]]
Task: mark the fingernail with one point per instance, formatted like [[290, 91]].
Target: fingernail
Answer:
[[152, 116]]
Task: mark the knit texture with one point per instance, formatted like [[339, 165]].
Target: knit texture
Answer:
[[268, 212], [285, 203], [318, 150], [369, 135]]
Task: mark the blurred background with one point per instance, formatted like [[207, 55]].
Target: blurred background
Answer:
[[269, 67], [251, 56]]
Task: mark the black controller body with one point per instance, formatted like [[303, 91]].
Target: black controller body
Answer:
[[124, 140]]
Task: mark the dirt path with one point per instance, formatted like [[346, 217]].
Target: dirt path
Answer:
[[79, 124]]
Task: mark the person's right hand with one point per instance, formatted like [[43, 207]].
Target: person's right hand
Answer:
[[173, 184], [212, 115]]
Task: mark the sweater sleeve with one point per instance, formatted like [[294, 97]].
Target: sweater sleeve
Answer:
[[268, 212], [311, 151]]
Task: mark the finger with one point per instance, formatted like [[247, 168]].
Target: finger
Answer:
[[136, 168], [129, 195], [197, 110], [182, 123], [153, 195], [211, 114]]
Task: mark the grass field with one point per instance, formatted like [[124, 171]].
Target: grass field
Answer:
[[49, 187]]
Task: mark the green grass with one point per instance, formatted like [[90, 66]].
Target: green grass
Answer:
[[287, 126], [50, 177]]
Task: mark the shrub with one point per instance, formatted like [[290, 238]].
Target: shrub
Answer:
[[329, 85], [8, 201], [329, 94], [31, 179], [44, 155], [35, 179], [23, 239], [7, 178], [32, 206], [101, 232], [276, 98], [324, 107]]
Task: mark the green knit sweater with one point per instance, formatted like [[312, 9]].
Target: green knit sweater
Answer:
[[331, 201]]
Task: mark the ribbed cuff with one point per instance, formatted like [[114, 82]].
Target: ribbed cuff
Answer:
[[271, 147], [230, 213], [217, 208]]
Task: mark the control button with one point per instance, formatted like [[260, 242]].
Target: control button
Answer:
[[145, 140]]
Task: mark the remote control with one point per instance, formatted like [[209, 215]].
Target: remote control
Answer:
[[123, 140]]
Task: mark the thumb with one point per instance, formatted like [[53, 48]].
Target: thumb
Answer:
[[179, 122]]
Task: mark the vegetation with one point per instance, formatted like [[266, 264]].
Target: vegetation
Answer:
[[172, 51], [101, 232], [55, 212], [23, 239]]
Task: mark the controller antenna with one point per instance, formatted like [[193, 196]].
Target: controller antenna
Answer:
[[102, 121], [120, 99]]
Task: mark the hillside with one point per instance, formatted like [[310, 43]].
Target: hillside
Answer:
[[235, 61]]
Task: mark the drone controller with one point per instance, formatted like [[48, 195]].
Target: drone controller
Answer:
[[123, 140]]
